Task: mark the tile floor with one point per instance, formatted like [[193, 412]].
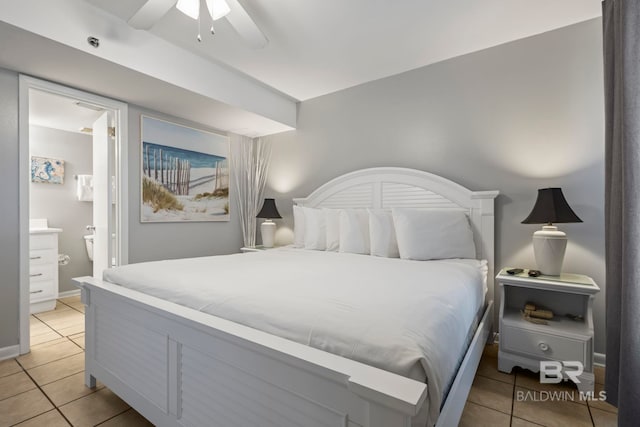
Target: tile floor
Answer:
[[500, 400], [46, 387]]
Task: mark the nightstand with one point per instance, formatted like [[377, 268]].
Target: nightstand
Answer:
[[525, 344]]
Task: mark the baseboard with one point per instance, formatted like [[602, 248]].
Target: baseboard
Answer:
[[67, 294], [600, 359], [9, 352]]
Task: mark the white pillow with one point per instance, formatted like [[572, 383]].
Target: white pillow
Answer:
[[433, 234], [332, 217], [382, 234], [298, 227], [315, 229], [354, 231]]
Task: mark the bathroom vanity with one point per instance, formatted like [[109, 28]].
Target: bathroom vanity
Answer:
[[43, 266]]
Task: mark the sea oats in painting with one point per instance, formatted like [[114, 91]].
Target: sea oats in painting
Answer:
[[185, 173], [44, 169]]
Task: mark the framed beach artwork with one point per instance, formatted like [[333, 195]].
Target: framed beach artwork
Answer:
[[47, 170], [185, 173]]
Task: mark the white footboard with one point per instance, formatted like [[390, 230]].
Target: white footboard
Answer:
[[180, 367]]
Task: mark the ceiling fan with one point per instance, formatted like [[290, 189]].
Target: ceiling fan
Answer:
[[153, 10]]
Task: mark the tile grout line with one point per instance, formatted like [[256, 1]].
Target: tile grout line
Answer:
[[18, 394], [52, 330], [45, 395], [56, 330], [70, 306], [40, 388], [117, 415], [495, 379], [513, 399], [51, 361], [593, 423], [487, 407]]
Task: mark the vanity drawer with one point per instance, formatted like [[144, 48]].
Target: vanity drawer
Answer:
[[42, 256], [40, 273], [544, 346], [41, 290], [42, 241]]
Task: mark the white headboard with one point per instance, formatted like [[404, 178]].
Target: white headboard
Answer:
[[385, 188]]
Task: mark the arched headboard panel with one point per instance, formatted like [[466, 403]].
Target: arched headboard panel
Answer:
[[388, 187]]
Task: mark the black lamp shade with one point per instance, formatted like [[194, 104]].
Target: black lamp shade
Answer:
[[269, 210], [550, 207]]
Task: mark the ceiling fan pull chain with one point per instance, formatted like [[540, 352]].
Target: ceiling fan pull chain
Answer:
[[199, 38], [213, 32]]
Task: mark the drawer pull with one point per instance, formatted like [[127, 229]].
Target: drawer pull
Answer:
[[37, 292], [35, 275], [35, 257], [543, 346]]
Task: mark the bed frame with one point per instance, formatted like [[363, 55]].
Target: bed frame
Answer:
[[181, 367]]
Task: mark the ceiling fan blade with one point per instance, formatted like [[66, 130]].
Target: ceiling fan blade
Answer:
[[244, 25], [150, 13]]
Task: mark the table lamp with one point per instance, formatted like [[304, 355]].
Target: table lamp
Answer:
[[549, 244], [268, 227]]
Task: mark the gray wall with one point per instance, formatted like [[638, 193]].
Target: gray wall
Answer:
[[153, 241], [516, 117], [9, 235], [146, 241], [58, 203]]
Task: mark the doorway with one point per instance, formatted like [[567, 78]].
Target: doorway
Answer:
[[102, 169]]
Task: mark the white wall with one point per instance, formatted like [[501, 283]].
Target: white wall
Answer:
[[58, 203], [515, 118]]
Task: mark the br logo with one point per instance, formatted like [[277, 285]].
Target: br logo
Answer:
[[552, 372]]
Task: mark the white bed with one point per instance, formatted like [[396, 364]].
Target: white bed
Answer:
[[156, 343]]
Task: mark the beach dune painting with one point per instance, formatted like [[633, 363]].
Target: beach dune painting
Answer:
[[185, 173]]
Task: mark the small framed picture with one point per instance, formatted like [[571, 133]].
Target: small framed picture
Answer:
[[47, 170]]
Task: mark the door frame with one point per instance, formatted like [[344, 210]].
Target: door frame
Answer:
[[121, 114]]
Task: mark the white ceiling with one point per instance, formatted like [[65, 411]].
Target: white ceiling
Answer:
[[59, 112], [315, 47], [41, 57], [322, 46]]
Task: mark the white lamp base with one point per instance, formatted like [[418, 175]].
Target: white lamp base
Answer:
[[549, 245], [268, 233]]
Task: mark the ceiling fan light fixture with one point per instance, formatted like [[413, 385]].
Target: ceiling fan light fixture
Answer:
[[218, 9], [191, 8]]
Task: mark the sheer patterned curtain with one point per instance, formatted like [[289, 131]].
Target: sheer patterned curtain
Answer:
[[621, 24], [250, 159]]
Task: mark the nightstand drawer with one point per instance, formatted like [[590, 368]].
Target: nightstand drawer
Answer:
[[543, 345]]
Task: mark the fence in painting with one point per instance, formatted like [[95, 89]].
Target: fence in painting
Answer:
[[172, 172], [175, 174]]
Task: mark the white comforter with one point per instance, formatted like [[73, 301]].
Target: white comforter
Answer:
[[407, 317]]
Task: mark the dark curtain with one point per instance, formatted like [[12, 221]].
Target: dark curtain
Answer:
[[621, 25]]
